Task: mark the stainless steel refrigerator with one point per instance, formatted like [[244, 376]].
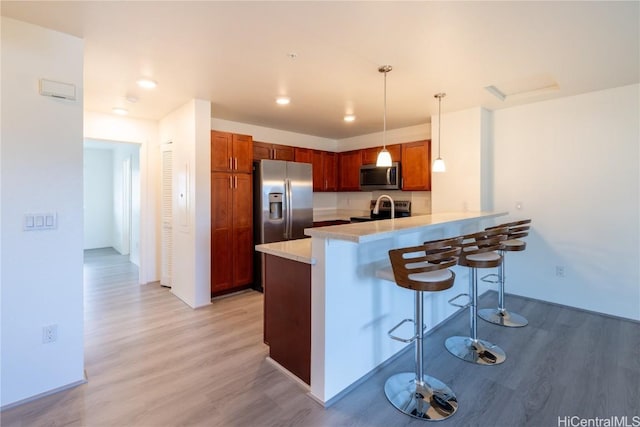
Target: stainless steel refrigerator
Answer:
[[282, 205]]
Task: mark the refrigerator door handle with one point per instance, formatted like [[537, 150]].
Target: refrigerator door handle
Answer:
[[289, 209]]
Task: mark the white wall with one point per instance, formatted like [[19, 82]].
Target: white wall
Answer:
[[145, 133], [98, 198], [573, 164], [189, 130], [274, 136], [41, 172], [464, 141], [394, 136]]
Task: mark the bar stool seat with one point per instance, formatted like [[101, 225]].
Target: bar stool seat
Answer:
[[478, 250], [429, 276], [423, 268], [501, 316]]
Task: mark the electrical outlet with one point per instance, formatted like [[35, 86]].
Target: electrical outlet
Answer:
[[49, 334], [559, 271]]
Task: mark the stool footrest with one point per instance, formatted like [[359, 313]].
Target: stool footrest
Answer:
[[451, 301], [407, 340], [491, 278]]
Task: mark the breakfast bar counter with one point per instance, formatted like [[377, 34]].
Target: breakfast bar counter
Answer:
[[351, 309]]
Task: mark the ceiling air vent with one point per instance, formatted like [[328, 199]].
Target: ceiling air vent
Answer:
[[524, 88]]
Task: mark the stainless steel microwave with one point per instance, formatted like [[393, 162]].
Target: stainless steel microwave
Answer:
[[373, 177]]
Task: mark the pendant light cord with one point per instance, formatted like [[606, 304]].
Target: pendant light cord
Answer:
[[439, 115], [384, 116], [439, 96]]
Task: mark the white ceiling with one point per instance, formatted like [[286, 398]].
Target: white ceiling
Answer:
[[236, 54]]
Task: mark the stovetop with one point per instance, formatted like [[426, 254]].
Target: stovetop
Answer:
[[402, 210], [385, 205]]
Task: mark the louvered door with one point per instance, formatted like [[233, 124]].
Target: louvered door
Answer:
[[166, 238]]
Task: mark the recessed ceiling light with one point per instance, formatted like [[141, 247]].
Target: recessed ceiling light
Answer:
[[147, 83], [120, 111], [349, 118], [283, 100], [132, 99]]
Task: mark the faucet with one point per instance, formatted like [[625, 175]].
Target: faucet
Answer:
[[376, 208]]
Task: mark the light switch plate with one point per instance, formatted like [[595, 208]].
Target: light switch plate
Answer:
[[40, 221]]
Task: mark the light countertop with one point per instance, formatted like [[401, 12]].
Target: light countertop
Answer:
[[362, 232], [296, 250]]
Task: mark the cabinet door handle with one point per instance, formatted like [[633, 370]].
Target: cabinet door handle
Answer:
[[235, 181], [230, 163], [230, 182], [235, 163], [273, 154]]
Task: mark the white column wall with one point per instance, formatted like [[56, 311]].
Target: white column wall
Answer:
[[41, 172], [460, 188], [189, 130], [573, 165]]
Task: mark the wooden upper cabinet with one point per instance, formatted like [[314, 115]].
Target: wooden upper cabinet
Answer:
[[330, 171], [231, 152], [349, 163], [261, 150], [324, 164], [243, 153], [416, 166], [317, 160], [221, 151], [325, 171], [303, 155], [266, 150], [370, 155]]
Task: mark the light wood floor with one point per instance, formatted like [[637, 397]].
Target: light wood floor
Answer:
[[153, 361]]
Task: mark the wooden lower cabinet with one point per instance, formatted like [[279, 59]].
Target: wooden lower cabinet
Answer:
[[287, 314], [231, 232]]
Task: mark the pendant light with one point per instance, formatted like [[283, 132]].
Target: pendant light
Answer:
[[438, 164], [384, 157]]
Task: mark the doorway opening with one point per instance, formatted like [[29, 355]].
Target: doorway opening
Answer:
[[112, 198]]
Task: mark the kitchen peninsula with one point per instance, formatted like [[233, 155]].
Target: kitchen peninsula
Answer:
[[351, 309]]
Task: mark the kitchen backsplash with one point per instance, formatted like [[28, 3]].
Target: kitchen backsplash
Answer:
[[420, 200]]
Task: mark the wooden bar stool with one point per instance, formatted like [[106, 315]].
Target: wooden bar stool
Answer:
[[423, 268], [479, 250], [500, 316]]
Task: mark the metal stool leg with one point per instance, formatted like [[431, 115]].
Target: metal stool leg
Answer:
[[500, 316], [414, 393], [471, 348]]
